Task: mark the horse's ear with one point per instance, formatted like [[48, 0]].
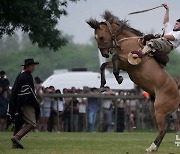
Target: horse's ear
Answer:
[[93, 23], [108, 16]]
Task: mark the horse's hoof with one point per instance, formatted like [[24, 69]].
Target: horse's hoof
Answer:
[[120, 79], [152, 148], [102, 84]]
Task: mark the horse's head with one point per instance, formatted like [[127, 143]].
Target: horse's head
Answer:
[[109, 32], [102, 36]]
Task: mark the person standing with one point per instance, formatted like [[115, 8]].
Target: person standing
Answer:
[[92, 108], [82, 112], [24, 107], [45, 107], [3, 109], [58, 110], [107, 111], [121, 107], [4, 82]]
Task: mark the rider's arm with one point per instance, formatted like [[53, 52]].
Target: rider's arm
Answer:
[[166, 16], [169, 37]]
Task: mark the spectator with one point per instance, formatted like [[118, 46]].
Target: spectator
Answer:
[[67, 112], [38, 88], [73, 90], [71, 112], [107, 110], [75, 114], [82, 112], [121, 108], [132, 104], [93, 107], [4, 82], [3, 109], [58, 110], [45, 110]]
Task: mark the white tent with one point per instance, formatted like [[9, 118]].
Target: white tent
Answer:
[[66, 79]]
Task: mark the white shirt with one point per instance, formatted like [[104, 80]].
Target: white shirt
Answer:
[[82, 107], [107, 103], [176, 34], [59, 104]]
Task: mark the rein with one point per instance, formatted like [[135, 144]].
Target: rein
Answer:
[[115, 42], [113, 36]]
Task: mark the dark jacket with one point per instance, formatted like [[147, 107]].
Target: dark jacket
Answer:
[[3, 107], [24, 78], [4, 83]]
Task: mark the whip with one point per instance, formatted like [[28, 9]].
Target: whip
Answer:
[[145, 10]]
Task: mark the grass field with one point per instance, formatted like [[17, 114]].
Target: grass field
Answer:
[[88, 143]]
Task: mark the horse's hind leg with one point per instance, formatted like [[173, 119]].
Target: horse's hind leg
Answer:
[[152, 111], [160, 119]]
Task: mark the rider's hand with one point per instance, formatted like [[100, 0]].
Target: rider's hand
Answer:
[[147, 38], [165, 6]]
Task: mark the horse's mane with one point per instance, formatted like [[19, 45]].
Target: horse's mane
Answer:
[[108, 16]]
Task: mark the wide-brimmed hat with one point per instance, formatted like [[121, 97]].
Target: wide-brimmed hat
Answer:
[[178, 20], [29, 62], [134, 57]]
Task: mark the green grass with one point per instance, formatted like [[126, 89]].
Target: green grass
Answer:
[[88, 143]]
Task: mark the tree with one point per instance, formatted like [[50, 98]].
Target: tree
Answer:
[[173, 66], [38, 18], [72, 56]]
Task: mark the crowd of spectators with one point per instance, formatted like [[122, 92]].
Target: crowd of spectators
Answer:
[[86, 114]]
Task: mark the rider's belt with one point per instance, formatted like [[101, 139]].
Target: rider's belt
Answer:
[[168, 42]]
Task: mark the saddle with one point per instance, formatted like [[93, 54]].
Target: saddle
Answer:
[[161, 57]]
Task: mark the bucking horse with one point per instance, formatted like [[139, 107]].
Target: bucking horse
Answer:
[[116, 37]]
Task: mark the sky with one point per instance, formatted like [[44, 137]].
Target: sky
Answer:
[[75, 23]]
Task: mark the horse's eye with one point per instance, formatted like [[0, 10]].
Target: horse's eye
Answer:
[[101, 38]]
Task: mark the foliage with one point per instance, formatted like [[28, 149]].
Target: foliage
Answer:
[[173, 67], [68, 57], [38, 18]]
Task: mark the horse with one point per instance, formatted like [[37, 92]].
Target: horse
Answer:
[[116, 37]]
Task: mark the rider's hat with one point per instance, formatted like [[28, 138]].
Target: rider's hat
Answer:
[[134, 57], [178, 20]]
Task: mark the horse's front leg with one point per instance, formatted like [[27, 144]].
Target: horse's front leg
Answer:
[[102, 69], [115, 62]]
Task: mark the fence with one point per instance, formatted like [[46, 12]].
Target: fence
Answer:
[[142, 116]]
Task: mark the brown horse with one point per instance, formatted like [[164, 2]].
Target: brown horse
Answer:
[[116, 37]]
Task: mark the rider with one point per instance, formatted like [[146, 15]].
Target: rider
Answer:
[[169, 41]]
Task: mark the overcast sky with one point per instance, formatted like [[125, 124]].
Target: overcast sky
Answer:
[[74, 24]]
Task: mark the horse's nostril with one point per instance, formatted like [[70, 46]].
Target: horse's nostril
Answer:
[[106, 55]]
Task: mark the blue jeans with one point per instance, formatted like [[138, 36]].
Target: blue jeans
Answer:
[[91, 120], [107, 119]]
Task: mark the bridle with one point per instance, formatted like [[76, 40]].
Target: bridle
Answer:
[[115, 44]]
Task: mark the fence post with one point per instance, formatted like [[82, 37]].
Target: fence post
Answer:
[[101, 115], [72, 114], [58, 115], [115, 122]]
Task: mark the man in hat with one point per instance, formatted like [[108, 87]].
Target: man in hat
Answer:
[[169, 41], [24, 108]]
